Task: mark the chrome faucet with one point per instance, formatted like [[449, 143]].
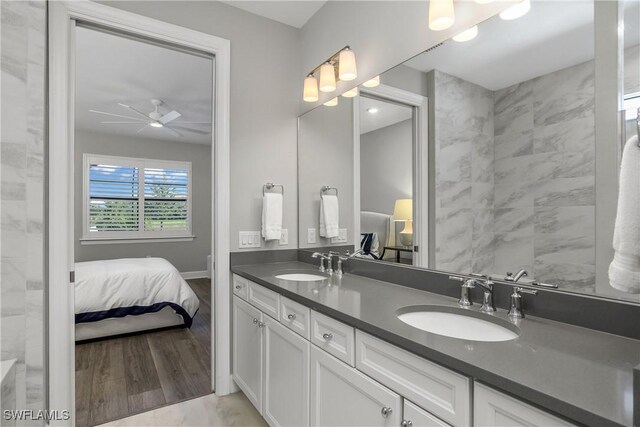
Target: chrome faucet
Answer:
[[515, 311], [485, 283], [323, 257], [519, 275], [340, 266]]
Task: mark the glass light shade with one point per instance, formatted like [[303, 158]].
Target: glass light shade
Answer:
[[351, 93], [516, 11], [441, 14], [347, 65], [484, 1], [327, 78], [467, 35], [403, 210], [155, 124], [331, 103], [372, 83], [310, 92]]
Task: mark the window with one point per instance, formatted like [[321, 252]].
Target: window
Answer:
[[126, 198]]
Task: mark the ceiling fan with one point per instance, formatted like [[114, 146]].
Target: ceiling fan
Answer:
[[154, 119]]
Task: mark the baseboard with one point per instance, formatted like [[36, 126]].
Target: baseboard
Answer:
[[186, 275]]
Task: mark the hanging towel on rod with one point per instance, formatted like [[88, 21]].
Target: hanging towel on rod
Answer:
[[624, 271], [272, 216], [329, 216]]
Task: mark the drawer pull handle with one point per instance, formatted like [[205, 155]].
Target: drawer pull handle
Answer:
[[238, 287], [385, 411], [261, 324], [406, 423], [327, 336], [291, 317], [255, 321]]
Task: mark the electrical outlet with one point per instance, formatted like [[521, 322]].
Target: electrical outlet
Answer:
[[284, 237], [342, 236], [311, 235], [249, 239]]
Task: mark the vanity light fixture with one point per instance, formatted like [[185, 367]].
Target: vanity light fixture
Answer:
[[372, 110], [484, 1], [341, 65], [351, 93], [516, 11], [467, 35], [310, 93], [441, 14], [331, 103], [327, 77], [373, 82], [347, 65]]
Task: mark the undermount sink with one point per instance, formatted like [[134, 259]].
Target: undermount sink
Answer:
[[301, 277], [458, 323]]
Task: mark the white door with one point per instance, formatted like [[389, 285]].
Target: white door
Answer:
[[414, 416], [247, 350], [286, 376], [342, 396]]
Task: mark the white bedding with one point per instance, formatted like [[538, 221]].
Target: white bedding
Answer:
[[131, 286]]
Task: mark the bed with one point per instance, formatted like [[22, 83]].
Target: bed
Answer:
[[119, 296], [379, 224]]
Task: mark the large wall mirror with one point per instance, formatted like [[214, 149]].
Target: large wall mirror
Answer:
[[479, 155]]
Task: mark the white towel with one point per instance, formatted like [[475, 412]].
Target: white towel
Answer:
[[272, 216], [329, 216], [624, 271]]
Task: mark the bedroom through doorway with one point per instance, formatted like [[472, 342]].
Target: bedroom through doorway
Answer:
[[143, 224]]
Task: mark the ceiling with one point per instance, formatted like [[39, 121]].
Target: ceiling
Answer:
[[387, 115], [552, 36], [112, 69], [293, 13]]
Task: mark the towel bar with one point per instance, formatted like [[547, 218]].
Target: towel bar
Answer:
[[326, 188], [270, 186]]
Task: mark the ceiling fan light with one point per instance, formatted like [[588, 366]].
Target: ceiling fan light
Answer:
[[327, 78], [155, 124], [347, 65]]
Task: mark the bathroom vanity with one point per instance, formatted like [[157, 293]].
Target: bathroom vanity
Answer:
[[328, 350]]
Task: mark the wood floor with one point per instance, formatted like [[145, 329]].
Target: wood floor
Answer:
[[123, 376]]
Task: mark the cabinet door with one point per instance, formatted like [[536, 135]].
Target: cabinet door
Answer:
[[342, 396], [415, 416], [492, 408], [286, 376], [247, 350]]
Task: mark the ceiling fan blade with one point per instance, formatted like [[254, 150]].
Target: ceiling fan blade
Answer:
[[169, 117], [123, 123], [115, 115], [172, 131], [142, 128], [201, 132], [140, 113], [193, 123]]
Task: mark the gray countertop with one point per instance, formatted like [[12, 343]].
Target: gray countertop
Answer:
[[581, 374]]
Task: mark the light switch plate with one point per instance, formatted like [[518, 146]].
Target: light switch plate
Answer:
[[311, 235], [249, 239], [284, 237], [342, 236]]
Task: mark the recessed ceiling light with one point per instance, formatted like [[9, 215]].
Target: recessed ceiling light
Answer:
[[372, 110]]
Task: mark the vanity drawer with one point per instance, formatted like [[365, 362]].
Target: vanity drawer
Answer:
[[419, 417], [492, 408], [295, 316], [333, 336], [440, 391], [240, 286], [264, 299]]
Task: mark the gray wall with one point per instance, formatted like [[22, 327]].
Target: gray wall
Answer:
[[185, 256], [386, 167], [326, 158], [463, 150], [265, 89], [22, 102]]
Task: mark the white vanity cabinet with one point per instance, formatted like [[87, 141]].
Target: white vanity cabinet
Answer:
[[286, 376], [414, 416], [342, 396], [493, 408], [247, 350]]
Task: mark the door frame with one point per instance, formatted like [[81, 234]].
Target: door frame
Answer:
[[60, 233], [420, 163]]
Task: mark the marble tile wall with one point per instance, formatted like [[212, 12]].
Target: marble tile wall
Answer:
[[544, 178], [22, 192], [464, 175]]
